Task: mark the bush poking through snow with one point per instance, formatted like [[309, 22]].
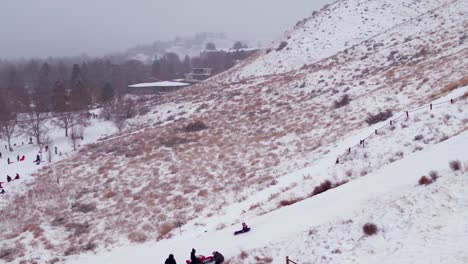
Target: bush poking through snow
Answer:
[[434, 175], [455, 165], [323, 187], [424, 181], [418, 137], [290, 201], [382, 116], [282, 45], [342, 102], [84, 208], [195, 126], [137, 237], [370, 229]]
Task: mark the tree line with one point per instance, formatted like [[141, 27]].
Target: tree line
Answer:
[[34, 91]]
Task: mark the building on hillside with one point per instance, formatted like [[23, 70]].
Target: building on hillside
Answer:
[[156, 87], [198, 75]]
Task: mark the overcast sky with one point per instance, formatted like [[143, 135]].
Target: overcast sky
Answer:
[[30, 28]]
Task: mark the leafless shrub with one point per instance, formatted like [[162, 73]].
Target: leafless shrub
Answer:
[[53, 261], [165, 229], [174, 141], [282, 45], [381, 116], [89, 246], [7, 254], [342, 102], [84, 208], [424, 181], [137, 237], [323, 187], [418, 137], [78, 229], [434, 175], [263, 260], [244, 255], [370, 229], [455, 165], [289, 202], [195, 126]]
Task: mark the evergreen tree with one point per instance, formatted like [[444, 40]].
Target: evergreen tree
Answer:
[[107, 93]]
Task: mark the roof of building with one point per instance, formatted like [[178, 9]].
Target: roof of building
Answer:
[[159, 84]]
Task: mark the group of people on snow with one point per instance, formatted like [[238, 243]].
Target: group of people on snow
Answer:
[[9, 179], [216, 258]]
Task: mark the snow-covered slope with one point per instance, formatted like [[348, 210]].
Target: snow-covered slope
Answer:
[[272, 133], [337, 27], [417, 224]]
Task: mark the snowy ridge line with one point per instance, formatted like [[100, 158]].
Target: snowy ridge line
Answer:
[[392, 121]]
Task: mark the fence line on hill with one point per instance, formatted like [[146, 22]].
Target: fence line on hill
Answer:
[[362, 142]]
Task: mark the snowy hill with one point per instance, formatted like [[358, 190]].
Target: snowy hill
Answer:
[[259, 142]]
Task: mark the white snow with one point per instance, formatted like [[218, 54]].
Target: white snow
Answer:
[[159, 84]]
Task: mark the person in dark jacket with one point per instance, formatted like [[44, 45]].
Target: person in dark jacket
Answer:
[[8, 178], [170, 260], [2, 191], [218, 257], [193, 258], [17, 177]]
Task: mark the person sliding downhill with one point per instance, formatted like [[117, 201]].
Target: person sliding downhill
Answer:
[[245, 229]]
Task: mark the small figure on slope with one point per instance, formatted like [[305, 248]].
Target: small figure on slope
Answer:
[[193, 258], [170, 260], [8, 178], [245, 229], [17, 177], [218, 257]]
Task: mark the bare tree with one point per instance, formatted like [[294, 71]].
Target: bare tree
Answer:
[[66, 120], [77, 134], [8, 121], [8, 129], [35, 125]]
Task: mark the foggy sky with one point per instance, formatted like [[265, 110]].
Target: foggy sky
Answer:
[[40, 28]]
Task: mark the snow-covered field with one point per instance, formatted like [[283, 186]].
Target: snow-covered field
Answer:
[[254, 144]]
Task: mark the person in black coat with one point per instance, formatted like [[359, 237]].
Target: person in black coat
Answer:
[[170, 260], [218, 257], [8, 178], [193, 258]]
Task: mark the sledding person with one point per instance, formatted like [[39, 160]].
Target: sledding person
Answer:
[[8, 178], [17, 177], [170, 260], [244, 229], [22, 158], [2, 191], [193, 258], [218, 257], [38, 159]]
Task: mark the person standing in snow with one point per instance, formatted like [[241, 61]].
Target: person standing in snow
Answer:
[[55, 148], [38, 159], [8, 160], [170, 260], [8, 178], [17, 157], [17, 177], [218, 257], [0, 155], [2, 191], [193, 258]]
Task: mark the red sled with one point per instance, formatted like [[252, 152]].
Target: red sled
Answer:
[[203, 259]]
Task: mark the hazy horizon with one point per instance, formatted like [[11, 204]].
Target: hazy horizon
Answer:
[[95, 28]]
